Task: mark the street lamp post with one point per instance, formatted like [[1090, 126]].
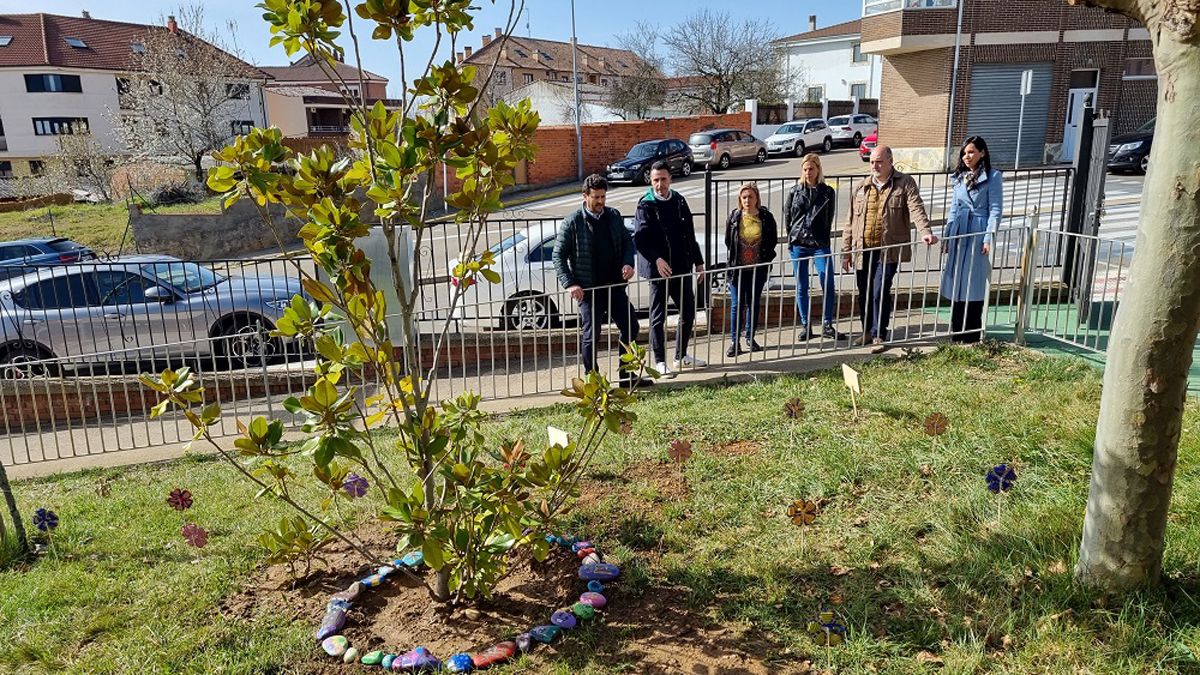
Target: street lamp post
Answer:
[[575, 77]]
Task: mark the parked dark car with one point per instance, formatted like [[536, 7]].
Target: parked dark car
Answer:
[[635, 166], [1131, 152], [24, 255]]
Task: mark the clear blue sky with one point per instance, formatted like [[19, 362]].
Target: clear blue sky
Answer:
[[597, 23]]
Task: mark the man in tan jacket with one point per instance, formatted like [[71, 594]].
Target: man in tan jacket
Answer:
[[883, 210]]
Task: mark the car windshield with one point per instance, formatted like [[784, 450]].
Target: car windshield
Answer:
[[1148, 127], [186, 276], [507, 244], [838, 120], [643, 150], [63, 245], [789, 129]]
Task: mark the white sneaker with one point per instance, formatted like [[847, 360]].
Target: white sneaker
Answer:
[[663, 371], [689, 361]]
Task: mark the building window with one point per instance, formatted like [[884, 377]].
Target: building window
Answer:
[[501, 77], [815, 94], [1140, 69], [76, 43], [856, 54], [858, 90], [5, 40], [59, 126], [37, 167], [1, 128], [241, 127], [5, 169], [566, 78], [137, 47], [238, 90], [53, 83], [528, 78], [603, 82], [871, 7]]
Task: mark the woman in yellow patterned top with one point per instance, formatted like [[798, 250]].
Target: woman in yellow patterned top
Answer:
[[751, 236]]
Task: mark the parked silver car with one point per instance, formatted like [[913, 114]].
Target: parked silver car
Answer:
[[135, 309], [721, 148]]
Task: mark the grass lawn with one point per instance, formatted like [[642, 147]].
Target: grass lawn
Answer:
[[99, 226], [909, 548]]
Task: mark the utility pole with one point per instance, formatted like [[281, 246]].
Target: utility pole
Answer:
[[575, 76]]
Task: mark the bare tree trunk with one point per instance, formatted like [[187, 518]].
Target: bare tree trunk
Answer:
[[13, 512], [1146, 375]]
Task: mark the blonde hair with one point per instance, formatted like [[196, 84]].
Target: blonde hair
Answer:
[[815, 160], [752, 187]]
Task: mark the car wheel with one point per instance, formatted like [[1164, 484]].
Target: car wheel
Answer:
[[1144, 165], [724, 162], [760, 157], [799, 148], [646, 176], [245, 342], [857, 139], [25, 362], [529, 312], [827, 146], [686, 170], [865, 158]]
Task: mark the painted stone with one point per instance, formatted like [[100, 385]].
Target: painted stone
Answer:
[[350, 656], [596, 600], [335, 645], [460, 663], [332, 624], [595, 587], [414, 559], [350, 594], [387, 661], [373, 658], [551, 539], [583, 611], [591, 559], [563, 619], [417, 660], [599, 572], [584, 552], [545, 634], [373, 581], [337, 603], [385, 571], [497, 653], [524, 642], [580, 545]]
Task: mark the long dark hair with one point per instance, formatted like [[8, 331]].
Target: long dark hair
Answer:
[[980, 145]]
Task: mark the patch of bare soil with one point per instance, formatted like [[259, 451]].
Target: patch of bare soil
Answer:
[[737, 449], [665, 478]]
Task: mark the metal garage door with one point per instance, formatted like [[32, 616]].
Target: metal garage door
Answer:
[[996, 106]]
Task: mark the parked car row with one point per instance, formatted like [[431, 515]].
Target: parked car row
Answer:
[[24, 255]]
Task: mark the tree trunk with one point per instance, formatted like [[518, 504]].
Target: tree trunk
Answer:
[[196, 164], [1146, 374], [13, 512]]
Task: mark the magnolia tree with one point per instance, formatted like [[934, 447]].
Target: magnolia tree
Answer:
[[1146, 375], [464, 500]]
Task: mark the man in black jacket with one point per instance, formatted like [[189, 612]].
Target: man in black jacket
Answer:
[[593, 256], [667, 250]]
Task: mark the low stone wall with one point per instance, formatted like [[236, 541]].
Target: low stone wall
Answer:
[[236, 231]]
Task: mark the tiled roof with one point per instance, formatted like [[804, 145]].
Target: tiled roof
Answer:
[[838, 29], [41, 40], [556, 56], [306, 70]]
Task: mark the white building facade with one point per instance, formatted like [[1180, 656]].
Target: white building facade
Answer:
[[827, 64]]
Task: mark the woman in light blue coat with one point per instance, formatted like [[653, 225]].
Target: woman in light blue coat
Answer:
[[969, 235]]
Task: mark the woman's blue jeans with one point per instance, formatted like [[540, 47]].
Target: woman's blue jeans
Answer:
[[823, 262]]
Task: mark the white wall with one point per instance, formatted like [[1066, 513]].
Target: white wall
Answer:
[[287, 113], [829, 62], [98, 102]]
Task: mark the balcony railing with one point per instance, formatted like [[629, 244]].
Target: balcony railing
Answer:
[[328, 129], [871, 7]]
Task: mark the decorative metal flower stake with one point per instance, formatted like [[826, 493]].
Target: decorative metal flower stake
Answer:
[[680, 450], [827, 631], [355, 485], [45, 520], [180, 500], [802, 512], [1000, 479], [793, 408], [194, 535]]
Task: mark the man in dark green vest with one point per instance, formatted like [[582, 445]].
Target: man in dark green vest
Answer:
[[593, 257]]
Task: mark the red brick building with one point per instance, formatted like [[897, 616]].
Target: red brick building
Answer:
[[1077, 54]]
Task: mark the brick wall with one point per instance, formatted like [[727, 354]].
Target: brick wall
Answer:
[[912, 112], [603, 143]]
